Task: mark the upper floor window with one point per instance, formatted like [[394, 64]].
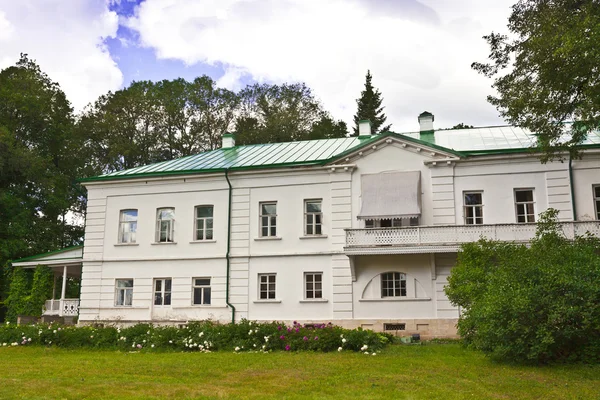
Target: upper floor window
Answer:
[[162, 292], [392, 223], [127, 226], [473, 208], [268, 219], [204, 223], [124, 292], [524, 205], [393, 284], [597, 200], [165, 225], [313, 283], [313, 217]]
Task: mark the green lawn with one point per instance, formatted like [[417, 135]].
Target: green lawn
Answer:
[[430, 371]]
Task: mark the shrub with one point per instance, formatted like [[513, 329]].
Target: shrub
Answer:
[[537, 304]]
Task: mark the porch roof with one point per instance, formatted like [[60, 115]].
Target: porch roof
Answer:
[[67, 256]]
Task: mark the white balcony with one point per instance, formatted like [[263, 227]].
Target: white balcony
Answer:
[[440, 239], [62, 307]]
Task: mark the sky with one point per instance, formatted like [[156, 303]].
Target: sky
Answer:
[[419, 52]]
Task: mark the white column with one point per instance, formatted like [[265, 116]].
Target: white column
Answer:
[[53, 285], [64, 285]]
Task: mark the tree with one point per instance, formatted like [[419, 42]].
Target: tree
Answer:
[[532, 304], [547, 71], [283, 113], [369, 107], [462, 126]]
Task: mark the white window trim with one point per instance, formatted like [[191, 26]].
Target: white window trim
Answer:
[[314, 273], [402, 278], [267, 299], [117, 289], [122, 222], [269, 226], [465, 206], [171, 231], [314, 214], [596, 201], [517, 203], [163, 291], [194, 287], [196, 240]]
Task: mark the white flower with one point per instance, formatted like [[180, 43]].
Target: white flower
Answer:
[[254, 344], [342, 336], [29, 339], [133, 345], [366, 352], [250, 332], [340, 349], [237, 349], [147, 333], [153, 346], [201, 334], [343, 340], [365, 347], [374, 354], [144, 340], [54, 331], [264, 346], [170, 341], [91, 336]]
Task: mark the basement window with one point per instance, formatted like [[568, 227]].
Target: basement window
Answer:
[[394, 327]]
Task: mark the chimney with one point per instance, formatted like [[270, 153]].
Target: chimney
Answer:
[[426, 122], [364, 127], [228, 141]]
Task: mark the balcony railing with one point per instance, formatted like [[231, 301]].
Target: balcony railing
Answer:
[[63, 308], [454, 235]]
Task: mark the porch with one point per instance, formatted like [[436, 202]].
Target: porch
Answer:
[[448, 239]]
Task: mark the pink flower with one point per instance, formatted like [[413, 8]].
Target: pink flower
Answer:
[[316, 338], [279, 328], [139, 346], [297, 330], [287, 348], [289, 329], [305, 338], [295, 322], [282, 337]]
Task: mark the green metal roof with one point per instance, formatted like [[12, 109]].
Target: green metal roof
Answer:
[[460, 142], [35, 257]]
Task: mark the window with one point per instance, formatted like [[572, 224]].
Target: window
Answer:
[[473, 208], [597, 200], [392, 223], [268, 219], [393, 284], [124, 292], [204, 223], [266, 289], [127, 226], [162, 292], [313, 284], [524, 205], [165, 225], [313, 218], [201, 295]]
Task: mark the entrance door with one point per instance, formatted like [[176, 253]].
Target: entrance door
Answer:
[[162, 298]]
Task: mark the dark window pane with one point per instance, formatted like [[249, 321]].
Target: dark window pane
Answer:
[[209, 234], [157, 299], [271, 278], [318, 218], [524, 195], [318, 229], [207, 295], [273, 231], [265, 231], [521, 218], [167, 285], [271, 295], [269, 209], [309, 218], [204, 212], [197, 296], [158, 285], [313, 206], [167, 299], [318, 294], [309, 229], [318, 277], [309, 295]]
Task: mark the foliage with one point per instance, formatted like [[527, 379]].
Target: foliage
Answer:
[[535, 304], [203, 336], [17, 302], [462, 126], [41, 289], [546, 71], [370, 108]]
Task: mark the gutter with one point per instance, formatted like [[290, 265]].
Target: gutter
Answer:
[[229, 249], [574, 207]]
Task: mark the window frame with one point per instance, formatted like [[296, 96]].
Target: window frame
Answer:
[[123, 222], [270, 226], [313, 215], [314, 283], [203, 289], [124, 289], [527, 215], [162, 292], [596, 197], [158, 227], [205, 220], [271, 286], [466, 206], [401, 286]]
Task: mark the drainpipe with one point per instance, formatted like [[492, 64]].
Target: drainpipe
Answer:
[[574, 207], [228, 249]]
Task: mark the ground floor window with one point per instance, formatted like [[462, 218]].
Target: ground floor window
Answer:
[[266, 289], [162, 292], [124, 292], [201, 288], [393, 284], [313, 283]]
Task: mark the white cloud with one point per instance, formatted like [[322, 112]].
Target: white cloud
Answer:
[[418, 52], [66, 39]]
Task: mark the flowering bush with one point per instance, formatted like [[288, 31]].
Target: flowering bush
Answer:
[[202, 336]]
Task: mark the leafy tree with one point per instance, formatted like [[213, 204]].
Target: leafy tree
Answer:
[[533, 304], [369, 107], [546, 71], [17, 301], [462, 126], [282, 113], [41, 289]]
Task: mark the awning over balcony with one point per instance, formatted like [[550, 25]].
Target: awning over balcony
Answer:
[[393, 194]]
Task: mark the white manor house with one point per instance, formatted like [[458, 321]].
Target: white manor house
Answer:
[[358, 231]]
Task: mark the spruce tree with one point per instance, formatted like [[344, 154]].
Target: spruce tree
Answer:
[[369, 107]]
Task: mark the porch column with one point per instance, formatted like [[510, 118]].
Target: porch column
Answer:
[[64, 283], [53, 284]]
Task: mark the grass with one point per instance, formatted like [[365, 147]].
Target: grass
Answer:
[[430, 371]]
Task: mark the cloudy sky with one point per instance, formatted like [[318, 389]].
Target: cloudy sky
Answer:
[[419, 52]]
